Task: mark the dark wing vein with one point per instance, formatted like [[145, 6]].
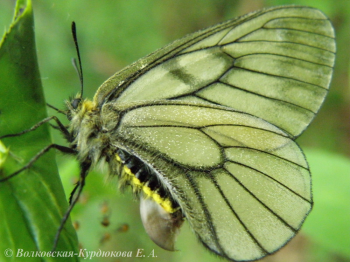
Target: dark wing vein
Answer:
[[262, 203], [235, 213]]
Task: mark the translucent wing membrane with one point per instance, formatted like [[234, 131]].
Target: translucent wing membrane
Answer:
[[215, 115], [275, 64], [242, 183]]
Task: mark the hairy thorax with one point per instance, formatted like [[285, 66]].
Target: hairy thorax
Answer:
[[90, 138]]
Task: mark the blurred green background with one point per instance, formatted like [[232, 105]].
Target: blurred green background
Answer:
[[112, 34]]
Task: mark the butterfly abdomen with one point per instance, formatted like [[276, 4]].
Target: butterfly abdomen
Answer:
[[160, 213], [132, 171]]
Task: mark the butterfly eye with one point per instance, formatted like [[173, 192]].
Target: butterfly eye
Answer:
[[75, 103]]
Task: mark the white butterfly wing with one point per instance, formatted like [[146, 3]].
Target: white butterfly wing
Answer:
[[275, 64], [215, 115]]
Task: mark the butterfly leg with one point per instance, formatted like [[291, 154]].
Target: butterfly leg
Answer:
[[84, 169], [63, 149], [60, 126]]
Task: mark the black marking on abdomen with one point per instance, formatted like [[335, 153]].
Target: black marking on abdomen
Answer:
[[146, 176]]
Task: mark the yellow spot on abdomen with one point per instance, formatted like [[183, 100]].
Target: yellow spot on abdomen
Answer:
[[135, 182]]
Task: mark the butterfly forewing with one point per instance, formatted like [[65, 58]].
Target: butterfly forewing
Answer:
[[275, 64]]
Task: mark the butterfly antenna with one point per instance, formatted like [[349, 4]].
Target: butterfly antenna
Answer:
[[78, 67]]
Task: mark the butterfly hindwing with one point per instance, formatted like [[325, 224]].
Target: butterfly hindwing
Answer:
[[241, 182]]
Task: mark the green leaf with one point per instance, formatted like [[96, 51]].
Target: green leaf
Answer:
[[32, 203], [328, 223]]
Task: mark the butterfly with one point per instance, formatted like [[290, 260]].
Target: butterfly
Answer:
[[204, 130]]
